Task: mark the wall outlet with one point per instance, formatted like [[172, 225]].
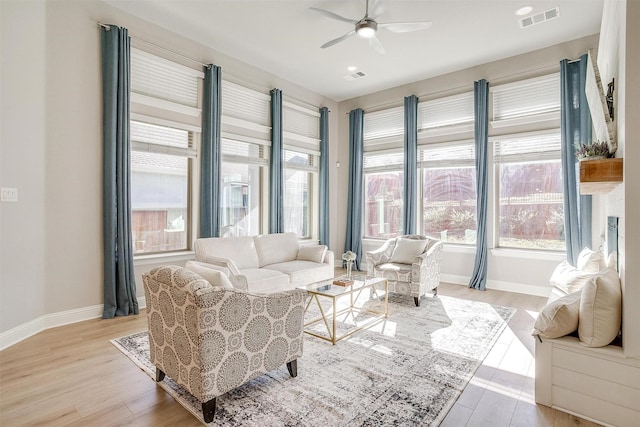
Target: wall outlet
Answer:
[[8, 194]]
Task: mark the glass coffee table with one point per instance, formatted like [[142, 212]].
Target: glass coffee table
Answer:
[[336, 305]]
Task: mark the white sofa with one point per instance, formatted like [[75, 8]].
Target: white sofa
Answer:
[[266, 263]]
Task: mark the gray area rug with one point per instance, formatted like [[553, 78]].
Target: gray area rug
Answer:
[[406, 370]]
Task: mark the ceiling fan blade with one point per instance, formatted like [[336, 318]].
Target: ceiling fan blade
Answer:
[[376, 9], [376, 45], [405, 27], [333, 15], [338, 40]]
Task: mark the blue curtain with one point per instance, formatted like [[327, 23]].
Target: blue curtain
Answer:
[[353, 239], [119, 278], [575, 127], [410, 163], [276, 222], [324, 177], [481, 130], [210, 154]]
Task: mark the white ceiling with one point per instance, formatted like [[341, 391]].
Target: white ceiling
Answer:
[[284, 37]]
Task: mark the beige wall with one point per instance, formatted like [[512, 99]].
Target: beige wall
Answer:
[[22, 162], [507, 270], [51, 150]]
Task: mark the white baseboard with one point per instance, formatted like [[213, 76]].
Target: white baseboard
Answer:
[[53, 320], [499, 285]]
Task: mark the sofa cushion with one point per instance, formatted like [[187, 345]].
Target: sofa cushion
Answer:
[[313, 253], [241, 250], [600, 309], [407, 250], [589, 261], [213, 276], [568, 278], [275, 248], [263, 280], [558, 318], [303, 272]]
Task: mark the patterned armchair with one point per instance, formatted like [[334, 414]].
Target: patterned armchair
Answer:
[[410, 263], [211, 339]]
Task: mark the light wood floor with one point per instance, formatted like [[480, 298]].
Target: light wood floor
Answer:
[[73, 375]]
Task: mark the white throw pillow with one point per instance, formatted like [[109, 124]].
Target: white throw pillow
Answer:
[[407, 250], [600, 309], [313, 253], [589, 261], [211, 275], [558, 318], [568, 278]]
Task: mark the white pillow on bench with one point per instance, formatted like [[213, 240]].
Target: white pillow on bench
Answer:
[[600, 309], [558, 318]]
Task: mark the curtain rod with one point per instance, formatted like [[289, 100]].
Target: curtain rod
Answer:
[[107, 27], [395, 103]]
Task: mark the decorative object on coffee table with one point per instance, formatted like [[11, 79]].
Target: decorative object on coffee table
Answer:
[[349, 258]]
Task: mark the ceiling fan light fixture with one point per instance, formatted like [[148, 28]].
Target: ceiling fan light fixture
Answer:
[[366, 28]]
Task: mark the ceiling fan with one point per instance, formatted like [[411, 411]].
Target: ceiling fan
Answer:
[[368, 26]]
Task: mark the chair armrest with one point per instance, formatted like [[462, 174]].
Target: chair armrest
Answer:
[[231, 267], [380, 255]]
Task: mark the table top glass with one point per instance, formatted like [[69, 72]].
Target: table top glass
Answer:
[[326, 287]]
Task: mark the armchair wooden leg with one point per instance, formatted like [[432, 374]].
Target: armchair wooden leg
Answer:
[[417, 301], [159, 375], [209, 410], [435, 291], [293, 367]]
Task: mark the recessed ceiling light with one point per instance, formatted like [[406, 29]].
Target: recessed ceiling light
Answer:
[[524, 10], [352, 68]]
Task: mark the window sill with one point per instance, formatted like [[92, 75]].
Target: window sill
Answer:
[[163, 258], [529, 254]]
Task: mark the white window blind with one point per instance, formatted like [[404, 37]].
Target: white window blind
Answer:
[[526, 98], [244, 152], [161, 139], [383, 124], [160, 79], [528, 147], [385, 160], [294, 159], [447, 155], [245, 104], [301, 128], [446, 115]]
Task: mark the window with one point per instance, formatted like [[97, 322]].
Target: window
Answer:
[[530, 210], [447, 168], [383, 173], [243, 166], [530, 205], [301, 128], [383, 194], [449, 192], [164, 125], [245, 158]]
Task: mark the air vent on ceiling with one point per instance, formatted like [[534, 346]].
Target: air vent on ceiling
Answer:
[[540, 17], [357, 75]]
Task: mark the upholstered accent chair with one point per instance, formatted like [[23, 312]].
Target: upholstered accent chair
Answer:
[[410, 263], [211, 339]]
